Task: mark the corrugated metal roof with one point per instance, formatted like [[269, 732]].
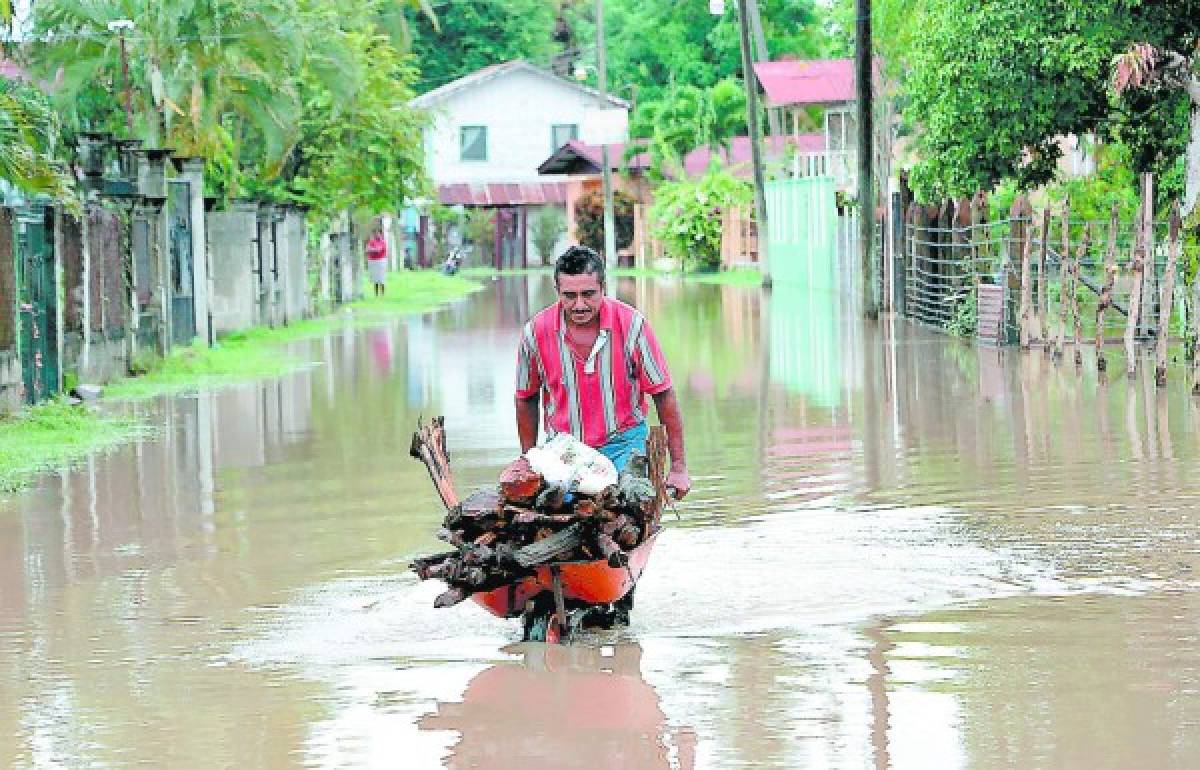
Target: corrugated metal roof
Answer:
[[500, 194], [575, 157], [821, 81]]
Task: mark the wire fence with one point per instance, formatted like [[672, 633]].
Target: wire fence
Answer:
[[955, 274]]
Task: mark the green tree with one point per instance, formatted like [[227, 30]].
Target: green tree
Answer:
[[470, 36], [655, 45], [993, 85], [359, 144], [687, 117], [207, 77], [28, 140]]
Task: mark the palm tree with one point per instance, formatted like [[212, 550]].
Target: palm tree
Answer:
[[207, 76], [28, 135]]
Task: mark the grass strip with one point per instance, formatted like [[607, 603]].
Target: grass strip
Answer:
[[56, 435], [258, 353], [739, 276]]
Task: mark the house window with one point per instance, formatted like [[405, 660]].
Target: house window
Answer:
[[473, 143], [561, 134]]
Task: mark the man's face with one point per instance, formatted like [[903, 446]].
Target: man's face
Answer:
[[580, 296]]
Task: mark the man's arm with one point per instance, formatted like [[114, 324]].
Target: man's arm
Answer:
[[669, 415], [527, 421]]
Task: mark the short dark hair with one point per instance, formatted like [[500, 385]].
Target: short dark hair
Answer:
[[578, 260]]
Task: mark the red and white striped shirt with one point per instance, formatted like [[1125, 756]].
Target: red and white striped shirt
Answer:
[[592, 399]]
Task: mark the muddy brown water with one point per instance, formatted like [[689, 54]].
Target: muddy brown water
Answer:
[[901, 552]]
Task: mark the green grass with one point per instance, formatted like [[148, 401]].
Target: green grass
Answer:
[[57, 435], [741, 276], [258, 353]]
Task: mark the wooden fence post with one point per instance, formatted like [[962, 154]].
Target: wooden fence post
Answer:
[[1043, 300], [1024, 233], [1167, 297], [1110, 279], [1064, 275], [1079, 255], [1148, 271], [1135, 296]]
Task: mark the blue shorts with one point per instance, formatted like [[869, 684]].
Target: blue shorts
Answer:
[[623, 444]]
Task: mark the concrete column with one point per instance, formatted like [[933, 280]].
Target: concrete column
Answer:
[[193, 172], [266, 262], [297, 286]]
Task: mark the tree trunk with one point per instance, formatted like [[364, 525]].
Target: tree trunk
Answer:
[[1191, 186]]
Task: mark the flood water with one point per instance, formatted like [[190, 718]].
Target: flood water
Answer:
[[901, 552]]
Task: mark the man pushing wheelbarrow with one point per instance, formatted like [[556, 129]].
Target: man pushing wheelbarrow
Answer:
[[563, 538]]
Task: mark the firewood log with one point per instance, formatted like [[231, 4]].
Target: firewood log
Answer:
[[551, 499], [451, 597], [452, 536], [429, 446], [611, 551], [519, 482]]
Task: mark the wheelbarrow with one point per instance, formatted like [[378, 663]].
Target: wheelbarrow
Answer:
[[553, 598], [562, 597]]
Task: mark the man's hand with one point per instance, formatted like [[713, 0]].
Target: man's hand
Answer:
[[678, 482]]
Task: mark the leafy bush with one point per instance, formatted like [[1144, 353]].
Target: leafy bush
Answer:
[[481, 232], [548, 226], [964, 318], [589, 220], [687, 215]]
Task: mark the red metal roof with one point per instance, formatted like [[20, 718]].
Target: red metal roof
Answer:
[[737, 161], [499, 194], [822, 81], [575, 157]]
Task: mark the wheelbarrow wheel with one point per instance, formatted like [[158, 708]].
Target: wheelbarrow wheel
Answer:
[[541, 622], [544, 627]]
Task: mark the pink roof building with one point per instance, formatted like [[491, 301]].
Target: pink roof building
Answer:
[[802, 83]]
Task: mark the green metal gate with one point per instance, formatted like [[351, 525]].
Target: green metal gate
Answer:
[[801, 224], [37, 303], [183, 303]]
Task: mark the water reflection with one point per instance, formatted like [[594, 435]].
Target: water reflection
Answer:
[[577, 706], [253, 557]]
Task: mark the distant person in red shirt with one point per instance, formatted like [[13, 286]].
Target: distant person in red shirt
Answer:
[[377, 260], [588, 362]]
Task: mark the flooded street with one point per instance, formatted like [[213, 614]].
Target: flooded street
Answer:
[[901, 551]]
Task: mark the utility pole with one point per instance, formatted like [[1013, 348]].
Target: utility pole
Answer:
[[610, 232], [762, 54], [866, 150], [760, 204], [120, 26]]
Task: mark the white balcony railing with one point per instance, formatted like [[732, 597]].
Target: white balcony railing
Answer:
[[839, 164]]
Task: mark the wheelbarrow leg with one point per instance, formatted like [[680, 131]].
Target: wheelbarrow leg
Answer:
[[558, 624]]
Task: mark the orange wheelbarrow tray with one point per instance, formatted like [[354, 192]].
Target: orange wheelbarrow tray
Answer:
[[589, 582]]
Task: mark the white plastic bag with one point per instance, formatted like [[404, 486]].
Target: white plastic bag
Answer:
[[566, 462]]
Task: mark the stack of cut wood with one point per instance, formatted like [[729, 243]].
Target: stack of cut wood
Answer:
[[500, 535]]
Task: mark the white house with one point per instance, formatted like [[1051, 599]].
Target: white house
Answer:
[[490, 131]]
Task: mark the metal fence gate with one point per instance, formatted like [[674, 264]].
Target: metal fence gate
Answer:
[[801, 225], [179, 236], [37, 303]]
